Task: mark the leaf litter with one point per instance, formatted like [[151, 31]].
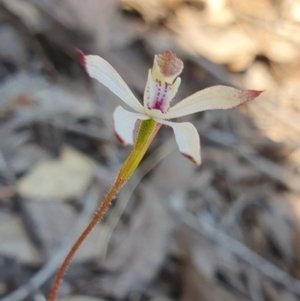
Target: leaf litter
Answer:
[[247, 186]]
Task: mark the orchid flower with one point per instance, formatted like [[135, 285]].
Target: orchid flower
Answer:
[[161, 87]]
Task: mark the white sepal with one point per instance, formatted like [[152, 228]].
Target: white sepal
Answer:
[[102, 71], [217, 97], [124, 124], [187, 139]]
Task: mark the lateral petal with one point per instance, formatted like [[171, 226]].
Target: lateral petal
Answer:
[[124, 124], [102, 71], [187, 139], [217, 97]]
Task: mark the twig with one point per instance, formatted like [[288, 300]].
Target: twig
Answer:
[[20, 121], [249, 196], [225, 241], [51, 266], [95, 133], [269, 168]]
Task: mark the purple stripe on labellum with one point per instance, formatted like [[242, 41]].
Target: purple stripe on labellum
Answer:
[[161, 101]]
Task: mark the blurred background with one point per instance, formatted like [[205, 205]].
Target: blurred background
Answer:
[[227, 230]]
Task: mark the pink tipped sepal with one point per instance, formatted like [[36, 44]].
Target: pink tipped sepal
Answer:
[[191, 159], [82, 58], [247, 95], [121, 141]]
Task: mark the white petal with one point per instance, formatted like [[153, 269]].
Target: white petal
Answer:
[[187, 139], [102, 71], [124, 124], [217, 97]]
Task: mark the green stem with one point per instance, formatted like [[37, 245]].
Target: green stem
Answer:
[[145, 135]]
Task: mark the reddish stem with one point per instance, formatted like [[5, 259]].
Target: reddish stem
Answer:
[[98, 215], [146, 133]]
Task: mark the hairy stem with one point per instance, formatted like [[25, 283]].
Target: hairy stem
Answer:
[[146, 133]]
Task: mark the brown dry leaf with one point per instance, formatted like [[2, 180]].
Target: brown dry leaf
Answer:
[[278, 40], [290, 9], [267, 228], [217, 13], [152, 10], [112, 31], [51, 222], [86, 15], [264, 9], [226, 34], [63, 178], [276, 48], [288, 75], [259, 76], [26, 11], [198, 287], [27, 93], [218, 44], [203, 261], [14, 241], [139, 256], [278, 97]]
